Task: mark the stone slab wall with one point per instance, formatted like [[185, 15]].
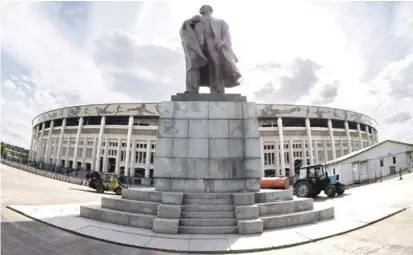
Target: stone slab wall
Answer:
[[208, 147]]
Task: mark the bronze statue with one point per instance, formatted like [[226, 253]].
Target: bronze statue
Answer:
[[210, 60]]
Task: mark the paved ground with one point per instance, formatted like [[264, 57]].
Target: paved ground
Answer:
[[22, 236]]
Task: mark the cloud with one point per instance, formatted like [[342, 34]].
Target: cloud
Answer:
[[356, 56], [9, 85], [290, 82], [399, 117]]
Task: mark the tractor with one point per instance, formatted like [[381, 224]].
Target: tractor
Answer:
[[312, 179], [102, 182]]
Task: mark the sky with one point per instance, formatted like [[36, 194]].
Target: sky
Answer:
[[351, 55]]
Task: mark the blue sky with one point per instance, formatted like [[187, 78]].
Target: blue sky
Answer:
[[351, 55]]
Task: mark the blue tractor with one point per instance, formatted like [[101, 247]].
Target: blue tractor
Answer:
[[312, 179]]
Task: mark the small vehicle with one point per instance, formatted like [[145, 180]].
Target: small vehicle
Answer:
[[312, 179], [102, 182]]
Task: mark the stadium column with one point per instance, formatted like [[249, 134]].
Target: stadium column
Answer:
[[95, 144], [83, 166], [105, 156], [128, 146], [67, 153], [35, 134], [360, 137], [310, 143], [277, 158], [368, 136], [117, 168], [40, 147], [316, 159], [325, 151], [99, 145], [262, 165], [304, 162], [32, 143], [281, 135], [348, 137], [148, 158], [133, 157], [49, 143], [59, 147], [332, 140], [79, 131], [341, 148], [292, 170]]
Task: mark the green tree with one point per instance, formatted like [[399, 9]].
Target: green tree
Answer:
[[3, 152]]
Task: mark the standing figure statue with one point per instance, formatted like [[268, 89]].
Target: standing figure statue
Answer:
[[210, 61]]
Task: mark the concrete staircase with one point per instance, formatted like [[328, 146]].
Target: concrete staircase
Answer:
[[209, 213], [204, 213]]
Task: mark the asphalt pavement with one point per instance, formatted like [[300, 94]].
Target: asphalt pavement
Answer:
[[21, 236]]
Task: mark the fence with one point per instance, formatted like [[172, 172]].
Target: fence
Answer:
[[380, 177], [76, 176]]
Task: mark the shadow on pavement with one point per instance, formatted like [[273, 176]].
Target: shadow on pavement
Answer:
[[320, 199], [33, 237], [94, 191]]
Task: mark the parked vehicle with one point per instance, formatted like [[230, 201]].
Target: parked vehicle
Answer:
[[312, 179], [102, 182]]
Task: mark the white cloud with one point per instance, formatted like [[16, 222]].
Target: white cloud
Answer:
[[9, 85], [348, 55]]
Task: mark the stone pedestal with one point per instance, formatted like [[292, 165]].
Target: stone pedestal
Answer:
[[208, 146], [207, 175]]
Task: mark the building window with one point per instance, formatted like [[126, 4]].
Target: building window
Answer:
[[381, 163], [394, 160]]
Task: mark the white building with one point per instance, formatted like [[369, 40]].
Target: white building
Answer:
[[379, 159], [115, 137]]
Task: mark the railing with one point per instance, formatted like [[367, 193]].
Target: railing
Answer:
[[74, 175], [380, 178]]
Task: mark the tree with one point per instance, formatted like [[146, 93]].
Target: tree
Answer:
[[3, 152]]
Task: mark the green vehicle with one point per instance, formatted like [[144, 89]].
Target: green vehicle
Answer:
[[312, 179]]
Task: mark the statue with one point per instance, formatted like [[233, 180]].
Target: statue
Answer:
[[210, 60]]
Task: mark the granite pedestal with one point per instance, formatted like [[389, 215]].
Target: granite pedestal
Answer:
[[207, 175]]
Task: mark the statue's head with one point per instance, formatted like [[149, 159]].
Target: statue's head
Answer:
[[206, 10]]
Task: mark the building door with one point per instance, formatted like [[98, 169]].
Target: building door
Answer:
[[363, 171], [356, 175]]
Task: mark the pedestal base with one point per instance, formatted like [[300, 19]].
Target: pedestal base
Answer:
[[209, 97], [208, 146]]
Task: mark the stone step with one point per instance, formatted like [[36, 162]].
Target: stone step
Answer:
[[207, 230], [297, 218], [273, 195], [208, 196], [127, 205], [296, 205], [208, 208], [142, 194], [203, 201], [95, 212], [208, 222], [208, 215]]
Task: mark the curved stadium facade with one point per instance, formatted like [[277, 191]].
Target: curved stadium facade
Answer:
[[105, 137]]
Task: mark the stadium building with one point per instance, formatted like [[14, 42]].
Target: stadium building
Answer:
[[115, 137]]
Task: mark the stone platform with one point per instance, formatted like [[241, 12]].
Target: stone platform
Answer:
[[207, 213]]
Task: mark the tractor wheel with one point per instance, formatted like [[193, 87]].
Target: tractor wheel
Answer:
[[303, 189], [118, 191], [316, 192], [330, 191], [100, 189], [340, 189]]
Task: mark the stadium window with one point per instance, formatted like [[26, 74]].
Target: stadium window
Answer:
[[394, 160], [381, 163]]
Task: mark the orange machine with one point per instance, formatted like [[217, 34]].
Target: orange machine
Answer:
[[275, 183]]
